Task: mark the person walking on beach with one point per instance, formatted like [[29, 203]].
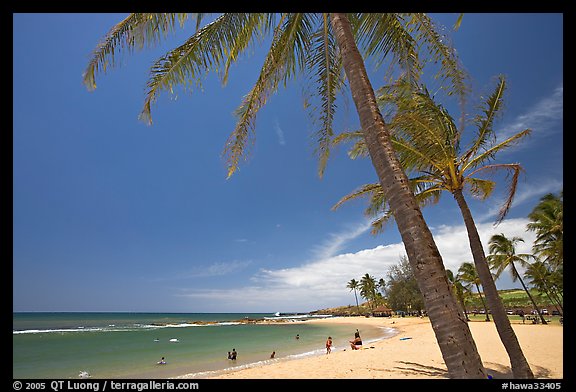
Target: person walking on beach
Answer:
[[329, 345]]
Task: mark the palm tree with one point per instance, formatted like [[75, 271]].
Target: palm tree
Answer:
[[503, 255], [353, 285], [546, 219], [543, 279], [458, 289], [323, 45], [467, 273], [382, 286], [428, 143], [368, 289]]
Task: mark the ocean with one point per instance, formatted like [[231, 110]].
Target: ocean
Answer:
[[196, 345]]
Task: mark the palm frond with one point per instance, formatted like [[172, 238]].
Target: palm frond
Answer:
[[485, 133], [379, 224], [203, 52], [423, 132], [253, 28], [364, 191], [329, 78], [380, 35], [135, 31], [479, 188], [515, 170], [489, 153], [287, 55], [442, 52]]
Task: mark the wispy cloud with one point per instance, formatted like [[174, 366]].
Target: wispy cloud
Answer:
[[279, 133], [337, 241], [543, 118], [524, 194], [210, 270]]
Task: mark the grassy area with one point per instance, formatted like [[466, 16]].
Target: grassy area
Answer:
[[513, 298], [514, 319]]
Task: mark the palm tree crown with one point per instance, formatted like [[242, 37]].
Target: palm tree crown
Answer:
[[427, 141], [547, 220]]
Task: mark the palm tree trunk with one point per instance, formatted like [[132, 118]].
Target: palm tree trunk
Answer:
[[519, 364], [536, 308], [449, 324], [357, 306], [483, 303]]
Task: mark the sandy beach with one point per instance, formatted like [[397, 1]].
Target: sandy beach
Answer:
[[414, 354]]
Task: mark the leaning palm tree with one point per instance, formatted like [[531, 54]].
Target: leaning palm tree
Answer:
[[543, 279], [427, 141], [327, 47], [467, 273], [503, 256], [353, 285]]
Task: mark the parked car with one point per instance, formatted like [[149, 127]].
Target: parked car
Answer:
[[555, 313]]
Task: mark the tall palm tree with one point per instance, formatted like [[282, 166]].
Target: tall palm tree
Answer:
[[353, 285], [427, 141], [467, 273], [322, 45], [368, 289], [547, 220], [503, 256]]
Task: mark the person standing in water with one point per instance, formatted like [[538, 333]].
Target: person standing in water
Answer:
[[329, 345]]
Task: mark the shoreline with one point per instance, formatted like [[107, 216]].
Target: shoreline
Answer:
[[370, 334], [412, 353]]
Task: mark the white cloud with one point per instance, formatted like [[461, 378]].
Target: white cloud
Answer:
[[321, 282]]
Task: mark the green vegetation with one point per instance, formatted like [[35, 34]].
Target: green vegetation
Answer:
[[514, 299], [511, 298]]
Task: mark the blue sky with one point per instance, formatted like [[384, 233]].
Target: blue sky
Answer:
[[110, 214]]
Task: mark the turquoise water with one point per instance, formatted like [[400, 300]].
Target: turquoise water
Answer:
[[129, 345]]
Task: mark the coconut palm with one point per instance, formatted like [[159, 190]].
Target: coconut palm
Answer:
[[427, 141], [503, 256], [467, 273], [544, 280], [382, 286], [458, 289], [325, 46], [368, 289], [546, 219], [353, 285]]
